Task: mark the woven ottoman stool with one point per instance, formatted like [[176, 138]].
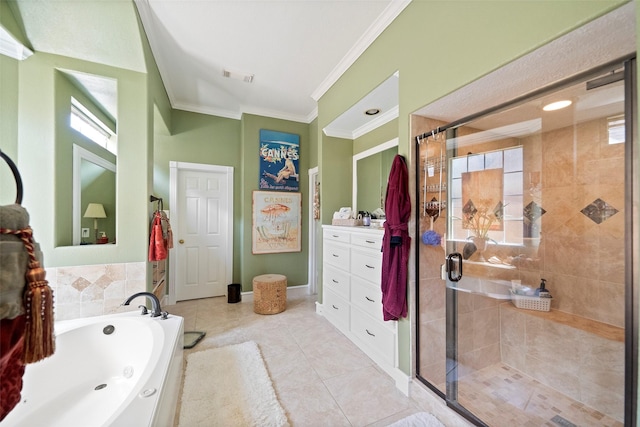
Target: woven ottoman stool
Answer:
[[269, 293]]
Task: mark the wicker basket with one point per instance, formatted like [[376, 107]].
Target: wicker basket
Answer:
[[269, 293], [530, 303], [347, 222]]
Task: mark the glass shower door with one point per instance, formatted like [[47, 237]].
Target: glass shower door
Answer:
[[535, 249]]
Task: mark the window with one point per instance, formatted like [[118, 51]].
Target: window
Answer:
[[508, 163], [89, 125], [616, 129]]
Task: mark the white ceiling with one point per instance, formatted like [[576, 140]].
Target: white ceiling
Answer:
[[296, 49]]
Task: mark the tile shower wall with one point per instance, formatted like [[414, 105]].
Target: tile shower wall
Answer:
[[580, 364], [579, 186], [581, 250], [94, 290]]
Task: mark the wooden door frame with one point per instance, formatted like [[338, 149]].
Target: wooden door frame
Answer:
[[174, 169]]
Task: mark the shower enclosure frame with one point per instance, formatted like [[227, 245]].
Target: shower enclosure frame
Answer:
[[632, 244]]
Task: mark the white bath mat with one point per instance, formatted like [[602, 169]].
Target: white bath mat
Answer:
[[229, 386], [420, 419]]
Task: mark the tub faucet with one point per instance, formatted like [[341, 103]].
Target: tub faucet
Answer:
[[156, 310]]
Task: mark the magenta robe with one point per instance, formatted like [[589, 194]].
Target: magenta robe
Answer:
[[396, 242]]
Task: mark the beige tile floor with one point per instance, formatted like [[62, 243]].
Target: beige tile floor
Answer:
[[503, 396], [321, 378]]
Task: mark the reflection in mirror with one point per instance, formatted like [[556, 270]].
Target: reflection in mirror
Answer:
[[94, 180], [86, 155], [370, 175]]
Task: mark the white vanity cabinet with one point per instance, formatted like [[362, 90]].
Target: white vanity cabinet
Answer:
[[351, 294]]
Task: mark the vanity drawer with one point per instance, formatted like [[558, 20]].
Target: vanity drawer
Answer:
[[367, 264], [336, 255], [337, 280], [373, 241], [373, 335], [343, 236], [367, 298], [336, 310]]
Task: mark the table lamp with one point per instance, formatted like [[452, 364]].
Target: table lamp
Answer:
[[95, 211]]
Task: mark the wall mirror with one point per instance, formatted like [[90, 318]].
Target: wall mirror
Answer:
[[370, 175], [86, 158], [94, 180]]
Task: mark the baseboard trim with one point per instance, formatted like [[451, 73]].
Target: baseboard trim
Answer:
[[402, 380], [292, 292]]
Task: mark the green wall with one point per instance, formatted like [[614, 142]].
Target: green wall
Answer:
[[101, 190], [37, 159], [313, 144], [292, 264], [9, 75], [200, 138], [65, 138], [8, 125], [378, 136], [439, 47]]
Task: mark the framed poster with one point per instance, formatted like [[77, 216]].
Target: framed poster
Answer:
[[277, 222], [279, 158]]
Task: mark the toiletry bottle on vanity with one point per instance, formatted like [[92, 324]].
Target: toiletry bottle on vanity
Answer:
[[542, 291]]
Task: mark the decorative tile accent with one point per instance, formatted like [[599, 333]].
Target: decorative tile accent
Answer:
[[469, 209], [498, 210], [533, 211], [599, 211], [82, 291]]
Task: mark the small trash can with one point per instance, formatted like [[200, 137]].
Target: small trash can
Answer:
[[234, 294]]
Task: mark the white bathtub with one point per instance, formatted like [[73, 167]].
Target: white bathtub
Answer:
[[130, 377]]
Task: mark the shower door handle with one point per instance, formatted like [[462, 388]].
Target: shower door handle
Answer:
[[451, 266]]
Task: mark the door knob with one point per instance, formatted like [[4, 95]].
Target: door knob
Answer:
[[181, 241]]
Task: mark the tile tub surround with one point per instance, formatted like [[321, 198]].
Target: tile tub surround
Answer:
[[93, 290]]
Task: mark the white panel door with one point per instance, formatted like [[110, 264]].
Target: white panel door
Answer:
[[203, 234]]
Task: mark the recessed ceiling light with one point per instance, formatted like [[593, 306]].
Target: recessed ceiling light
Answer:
[[245, 77], [372, 111], [557, 105]]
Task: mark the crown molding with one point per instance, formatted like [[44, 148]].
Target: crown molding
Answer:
[[11, 47], [377, 122], [338, 133], [219, 112], [274, 114], [364, 129], [388, 15]]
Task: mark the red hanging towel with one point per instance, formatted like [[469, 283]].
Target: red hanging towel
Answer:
[[157, 243], [396, 242], [11, 363]]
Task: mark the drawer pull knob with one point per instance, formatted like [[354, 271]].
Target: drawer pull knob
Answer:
[[373, 335], [336, 256], [369, 266], [335, 235], [370, 241], [334, 281], [369, 299], [336, 308]]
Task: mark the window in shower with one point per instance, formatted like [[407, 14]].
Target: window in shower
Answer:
[[503, 218], [555, 183]]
